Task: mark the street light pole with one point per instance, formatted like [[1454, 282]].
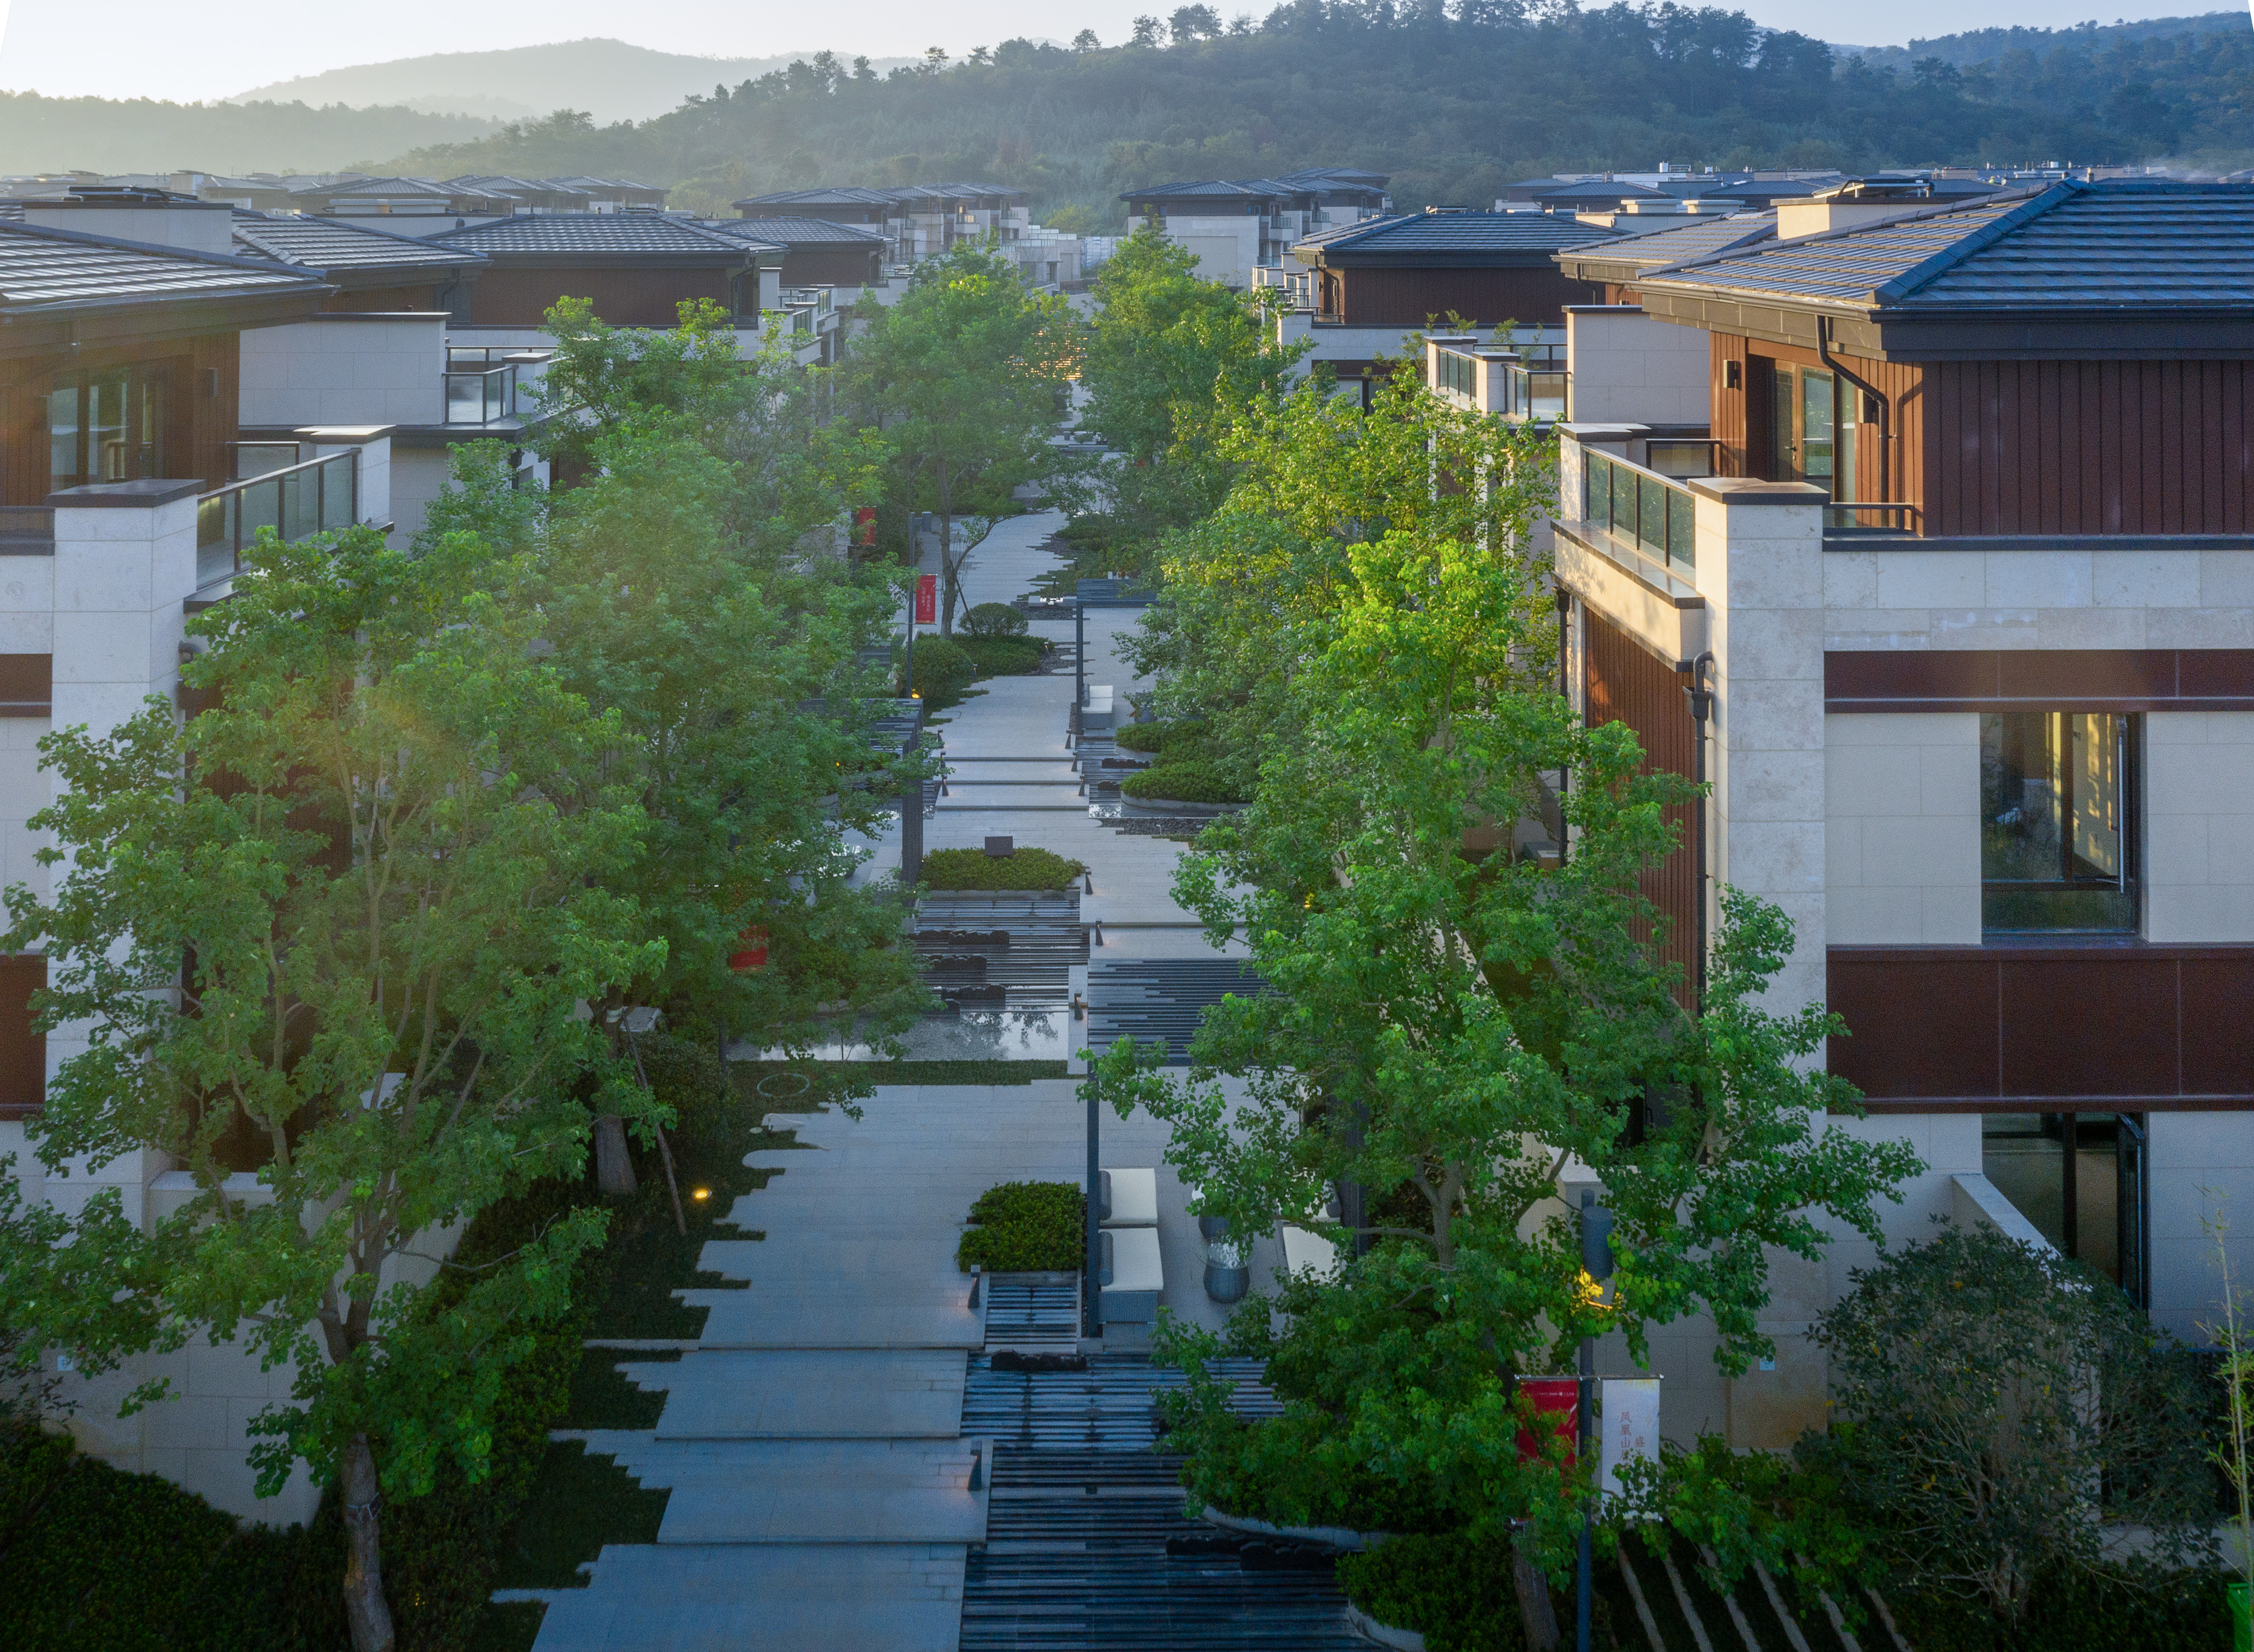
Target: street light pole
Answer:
[[1092, 1298], [1597, 1263]]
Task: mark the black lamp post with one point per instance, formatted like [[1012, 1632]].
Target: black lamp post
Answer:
[[1597, 1263]]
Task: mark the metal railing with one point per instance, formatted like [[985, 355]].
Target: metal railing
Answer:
[[1632, 503], [481, 395], [1857, 516], [320, 496]]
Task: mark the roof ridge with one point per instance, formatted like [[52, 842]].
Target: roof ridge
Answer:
[[264, 266], [1988, 234]]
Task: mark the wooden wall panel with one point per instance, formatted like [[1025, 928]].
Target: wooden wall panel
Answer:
[[203, 404], [353, 300], [1408, 297], [1625, 684], [2090, 447], [831, 265], [1730, 404], [2045, 1028], [22, 1053], [519, 297]]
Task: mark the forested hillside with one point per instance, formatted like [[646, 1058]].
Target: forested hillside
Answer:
[[142, 135], [1452, 101]]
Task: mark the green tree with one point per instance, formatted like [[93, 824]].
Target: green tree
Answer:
[[960, 378], [337, 931], [602, 375], [1451, 1027], [1171, 359], [1997, 1402]]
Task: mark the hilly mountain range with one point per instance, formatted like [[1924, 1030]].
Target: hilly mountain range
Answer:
[[609, 80]]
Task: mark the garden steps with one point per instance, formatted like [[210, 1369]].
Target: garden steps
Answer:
[[743, 1394], [857, 1491]]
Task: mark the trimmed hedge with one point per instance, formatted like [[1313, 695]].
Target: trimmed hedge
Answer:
[[1003, 656], [1184, 782], [2186, 1612], [942, 671], [1459, 1595], [974, 869], [1029, 1227], [993, 620], [1189, 737]]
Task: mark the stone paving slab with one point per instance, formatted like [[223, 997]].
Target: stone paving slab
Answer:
[[812, 1491], [763, 1598], [834, 1319], [795, 1394]]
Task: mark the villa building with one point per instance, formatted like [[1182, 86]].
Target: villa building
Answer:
[[1926, 533], [1238, 227]]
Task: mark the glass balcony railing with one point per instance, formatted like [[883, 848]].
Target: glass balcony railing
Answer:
[[1539, 394], [321, 496], [481, 395], [1648, 510]]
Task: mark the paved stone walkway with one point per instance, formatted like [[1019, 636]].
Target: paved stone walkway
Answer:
[[822, 1494]]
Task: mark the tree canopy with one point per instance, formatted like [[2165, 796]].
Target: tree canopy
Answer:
[[1455, 101]]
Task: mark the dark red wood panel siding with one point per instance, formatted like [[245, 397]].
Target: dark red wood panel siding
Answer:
[[1625, 684], [2018, 1028], [503, 298], [830, 266], [22, 1053], [203, 403], [1732, 404], [1995, 679], [423, 297], [2090, 447], [1410, 298]]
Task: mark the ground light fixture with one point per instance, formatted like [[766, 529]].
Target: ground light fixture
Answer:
[[700, 1193], [1596, 1269]]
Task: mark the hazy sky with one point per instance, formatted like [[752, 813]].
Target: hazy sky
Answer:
[[184, 51]]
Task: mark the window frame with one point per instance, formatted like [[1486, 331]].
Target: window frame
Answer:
[[2132, 880]]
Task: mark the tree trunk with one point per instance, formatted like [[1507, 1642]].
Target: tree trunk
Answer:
[[366, 1610], [614, 1171], [1536, 1613]]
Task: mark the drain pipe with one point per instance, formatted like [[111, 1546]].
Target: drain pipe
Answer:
[[1565, 600], [1702, 710], [1886, 408]]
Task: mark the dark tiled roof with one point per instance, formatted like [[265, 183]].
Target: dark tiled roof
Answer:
[[1218, 188], [953, 190], [331, 243], [61, 269], [616, 234], [1661, 247], [843, 196], [1465, 233], [796, 232], [2116, 245]]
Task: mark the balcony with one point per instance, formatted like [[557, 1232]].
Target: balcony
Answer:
[[320, 496], [1499, 382], [487, 384], [1636, 506]]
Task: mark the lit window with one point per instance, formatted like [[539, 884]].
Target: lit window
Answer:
[[2058, 849]]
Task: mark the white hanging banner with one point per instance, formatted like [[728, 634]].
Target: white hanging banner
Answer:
[[1628, 1414]]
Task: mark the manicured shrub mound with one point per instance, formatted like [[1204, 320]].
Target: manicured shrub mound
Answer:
[[942, 671], [1184, 782], [993, 620], [1187, 738], [976, 869], [1026, 1226], [1001, 656]]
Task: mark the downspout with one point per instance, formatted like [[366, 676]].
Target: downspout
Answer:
[[1886, 408], [1702, 710], [1565, 600]]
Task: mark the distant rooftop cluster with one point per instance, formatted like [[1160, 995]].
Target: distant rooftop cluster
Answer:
[[357, 194]]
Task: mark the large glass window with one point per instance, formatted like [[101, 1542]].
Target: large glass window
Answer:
[[2079, 1179], [106, 427], [2058, 840], [1812, 427]]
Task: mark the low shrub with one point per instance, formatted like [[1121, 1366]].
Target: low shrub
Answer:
[[942, 671], [993, 620], [1001, 656], [1026, 1226], [976, 869], [1189, 737], [1459, 1594], [1184, 782], [2084, 1612]]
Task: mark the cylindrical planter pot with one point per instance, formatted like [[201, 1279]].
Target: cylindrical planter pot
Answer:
[[1213, 1227], [1384, 1633], [1228, 1270]]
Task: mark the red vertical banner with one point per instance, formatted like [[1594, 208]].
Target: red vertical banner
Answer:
[[751, 950], [1556, 1401], [865, 525], [926, 598]]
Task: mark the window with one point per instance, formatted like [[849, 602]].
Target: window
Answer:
[[106, 427], [1813, 420], [2058, 839], [2079, 1177]]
